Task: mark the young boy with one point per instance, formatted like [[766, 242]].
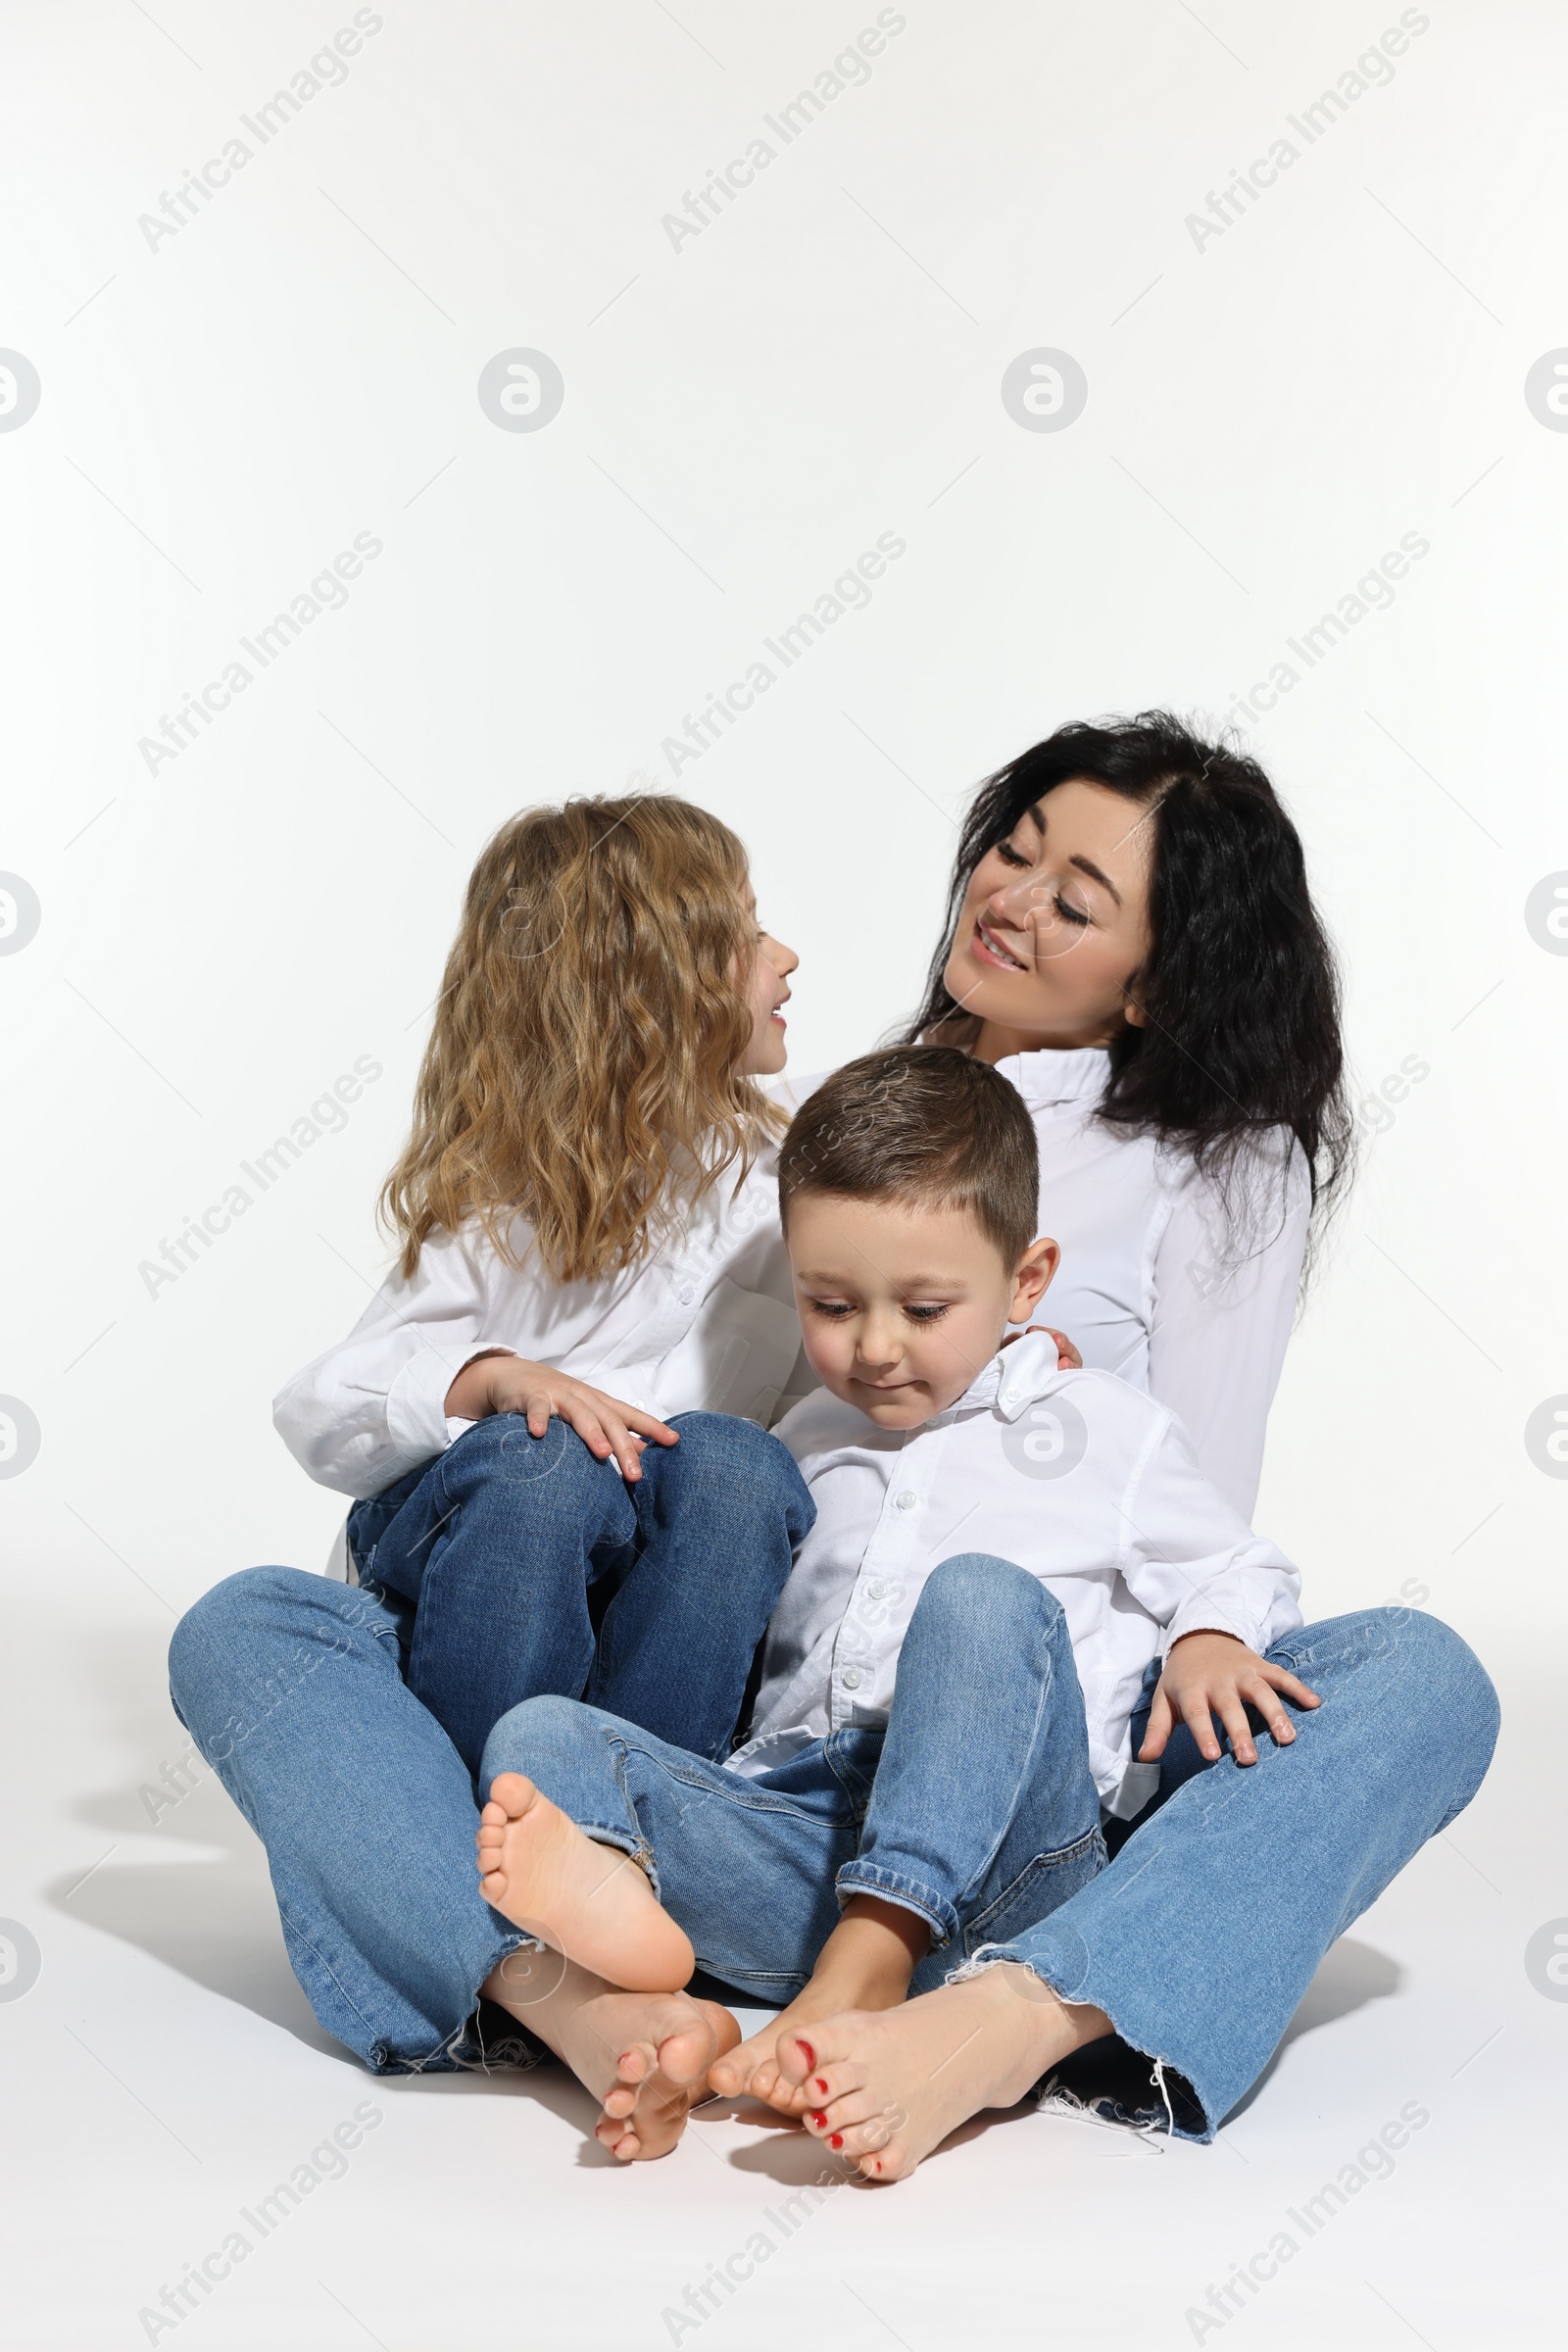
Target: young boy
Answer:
[[1000, 1550]]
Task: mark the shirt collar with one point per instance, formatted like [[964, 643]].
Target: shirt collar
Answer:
[[1049, 1076], [1015, 1377]]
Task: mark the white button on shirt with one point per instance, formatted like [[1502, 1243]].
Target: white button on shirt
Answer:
[[1073, 1476], [707, 1323]]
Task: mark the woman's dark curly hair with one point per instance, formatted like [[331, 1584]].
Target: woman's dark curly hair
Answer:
[[1239, 991]]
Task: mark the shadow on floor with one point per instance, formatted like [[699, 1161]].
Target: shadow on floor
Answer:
[[1350, 1975], [214, 1922]]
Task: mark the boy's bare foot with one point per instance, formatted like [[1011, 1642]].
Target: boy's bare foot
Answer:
[[590, 1901], [866, 1963], [887, 2088], [643, 2055], [659, 2082]]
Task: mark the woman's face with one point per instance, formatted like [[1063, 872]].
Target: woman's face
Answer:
[[1055, 923], [770, 993]]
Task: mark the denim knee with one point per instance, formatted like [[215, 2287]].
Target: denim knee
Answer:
[[1445, 1667], [502, 1446], [742, 1450], [978, 1587], [251, 1599], [539, 1738], [1431, 1674]]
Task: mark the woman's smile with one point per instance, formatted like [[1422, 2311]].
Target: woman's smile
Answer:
[[986, 948]]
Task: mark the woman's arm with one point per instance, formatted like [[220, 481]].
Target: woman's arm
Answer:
[[1190, 1559], [1224, 1301]]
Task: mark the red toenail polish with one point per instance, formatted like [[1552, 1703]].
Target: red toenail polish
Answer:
[[836, 2140], [820, 2084], [818, 2120], [810, 2054]]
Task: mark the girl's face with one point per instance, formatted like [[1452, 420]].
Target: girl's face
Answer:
[[770, 992], [1054, 924]]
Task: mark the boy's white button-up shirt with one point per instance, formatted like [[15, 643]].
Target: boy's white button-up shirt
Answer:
[[1075, 1477], [706, 1323]]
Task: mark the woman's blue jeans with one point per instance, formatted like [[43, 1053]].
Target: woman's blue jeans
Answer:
[[533, 1567], [1198, 1940], [976, 1809], [1201, 1938]]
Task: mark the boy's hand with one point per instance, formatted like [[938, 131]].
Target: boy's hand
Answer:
[[512, 1384], [1214, 1674]]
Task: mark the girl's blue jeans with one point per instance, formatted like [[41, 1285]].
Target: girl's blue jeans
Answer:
[[533, 1567], [1198, 1940]]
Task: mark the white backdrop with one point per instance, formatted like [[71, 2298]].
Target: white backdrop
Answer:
[[1355, 352], [1272, 407]]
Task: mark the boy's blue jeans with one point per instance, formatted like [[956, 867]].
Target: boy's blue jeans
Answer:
[[1198, 1940], [976, 1809], [533, 1567]]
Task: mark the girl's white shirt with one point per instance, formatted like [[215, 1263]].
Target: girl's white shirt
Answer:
[[706, 1322], [1157, 1282]]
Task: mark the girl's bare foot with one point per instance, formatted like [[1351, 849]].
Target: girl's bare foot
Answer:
[[866, 1963], [644, 2055], [590, 1901], [887, 2088]]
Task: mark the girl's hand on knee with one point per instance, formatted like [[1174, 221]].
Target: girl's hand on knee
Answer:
[[1214, 1674], [512, 1384]]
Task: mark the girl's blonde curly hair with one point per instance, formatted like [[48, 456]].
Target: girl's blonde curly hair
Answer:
[[585, 1070]]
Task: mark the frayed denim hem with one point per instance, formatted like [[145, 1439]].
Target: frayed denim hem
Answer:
[[1110, 2081], [488, 2039]]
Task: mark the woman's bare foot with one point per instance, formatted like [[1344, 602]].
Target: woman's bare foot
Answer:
[[887, 2088], [643, 2055], [590, 1901], [866, 1963]]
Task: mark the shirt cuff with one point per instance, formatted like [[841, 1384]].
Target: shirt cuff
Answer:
[[416, 1405], [1201, 1616]]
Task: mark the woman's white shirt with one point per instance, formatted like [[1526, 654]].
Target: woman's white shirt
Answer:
[[706, 1322], [1157, 1283]]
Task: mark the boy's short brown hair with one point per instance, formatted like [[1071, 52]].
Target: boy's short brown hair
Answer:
[[925, 1125]]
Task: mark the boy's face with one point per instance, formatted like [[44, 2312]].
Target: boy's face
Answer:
[[901, 1307]]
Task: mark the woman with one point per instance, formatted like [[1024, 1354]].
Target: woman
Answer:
[[1131, 940]]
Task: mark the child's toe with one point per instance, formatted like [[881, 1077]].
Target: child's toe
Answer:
[[636, 2064]]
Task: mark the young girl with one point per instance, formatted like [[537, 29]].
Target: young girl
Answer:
[[1131, 940], [586, 1204]]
